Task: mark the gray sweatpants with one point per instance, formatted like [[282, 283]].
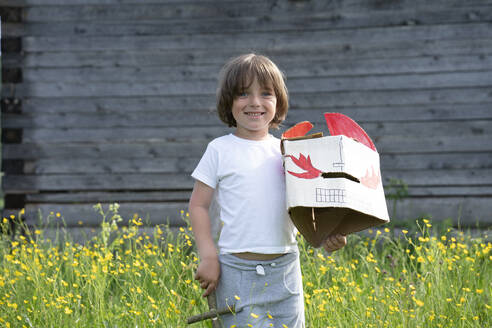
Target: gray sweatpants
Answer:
[[265, 293]]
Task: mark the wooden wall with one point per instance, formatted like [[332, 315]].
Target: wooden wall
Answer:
[[115, 97]]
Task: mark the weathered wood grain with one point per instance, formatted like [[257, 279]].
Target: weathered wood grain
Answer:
[[122, 105], [296, 85], [294, 5], [432, 105], [184, 164], [154, 24], [272, 12], [331, 68], [451, 191], [93, 182], [270, 40], [201, 118], [196, 133], [431, 161], [93, 197], [284, 56], [324, 101], [103, 150], [385, 144], [416, 144], [392, 98], [176, 181], [443, 177], [183, 11], [113, 111], [468, 211]]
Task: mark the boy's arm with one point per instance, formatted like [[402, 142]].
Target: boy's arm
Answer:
[[208, 271]]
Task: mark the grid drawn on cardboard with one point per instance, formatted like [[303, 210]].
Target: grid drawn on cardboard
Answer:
[[330, 195]]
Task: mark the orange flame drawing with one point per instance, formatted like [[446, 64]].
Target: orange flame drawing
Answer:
[[371, 180], [305, 164]]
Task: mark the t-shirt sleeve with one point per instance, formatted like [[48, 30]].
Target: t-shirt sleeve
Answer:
[[206, 170]]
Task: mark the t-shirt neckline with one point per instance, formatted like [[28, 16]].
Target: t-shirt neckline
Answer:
[[266, 140]]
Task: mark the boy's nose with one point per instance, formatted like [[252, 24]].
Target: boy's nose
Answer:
[[254, 101]]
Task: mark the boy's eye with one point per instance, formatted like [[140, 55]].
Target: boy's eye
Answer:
[[242, 94]]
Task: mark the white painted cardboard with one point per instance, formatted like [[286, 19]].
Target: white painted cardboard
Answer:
[[320, 204]]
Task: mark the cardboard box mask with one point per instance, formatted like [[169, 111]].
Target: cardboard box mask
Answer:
[[333, 183]]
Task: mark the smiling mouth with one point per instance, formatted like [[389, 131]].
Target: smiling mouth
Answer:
[[254, 114]]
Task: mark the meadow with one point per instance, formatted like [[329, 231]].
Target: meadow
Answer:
[[123, 277]]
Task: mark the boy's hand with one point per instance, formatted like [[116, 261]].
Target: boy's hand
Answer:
[[335, 242], [207, 274]]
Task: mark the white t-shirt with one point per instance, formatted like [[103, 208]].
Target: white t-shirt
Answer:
[[248, 178]]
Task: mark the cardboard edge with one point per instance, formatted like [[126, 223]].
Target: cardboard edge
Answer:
[[309, 136], [343, 223]]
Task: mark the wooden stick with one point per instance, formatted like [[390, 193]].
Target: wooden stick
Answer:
[[212, 306], [213, 313]]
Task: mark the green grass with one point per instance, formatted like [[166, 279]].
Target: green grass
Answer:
[[126, 278]]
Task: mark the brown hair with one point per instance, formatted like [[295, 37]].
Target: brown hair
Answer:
[[238, 73]]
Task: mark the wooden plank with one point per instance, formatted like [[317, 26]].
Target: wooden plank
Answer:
[[67, 182], [390, 98], [332, 68], [432, 161], [33, 3], [184, 196], [284, 56], [149, 11], [201, 10], [151, 213], [104, 135], [449, 191], [171, 118], [109, 197], [296, 85], [385, 145], [467, 211], [49, 128], [163, 119], [120, 89], [416, 113], [131, 74], [114, 25], [421, 178], [425, 104], [295, 5], [120, 105], [244, 41], [104, 150], [391, 82], [430, 129], [193, 134], [423, 145], [184, 164], [174, 181], [12, 3], [437, 161]]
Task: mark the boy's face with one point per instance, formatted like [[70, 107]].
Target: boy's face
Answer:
[[253, 111]]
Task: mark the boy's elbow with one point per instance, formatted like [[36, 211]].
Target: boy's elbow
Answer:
[[195, 207]]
